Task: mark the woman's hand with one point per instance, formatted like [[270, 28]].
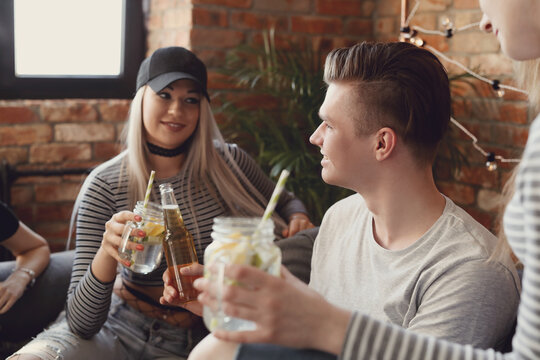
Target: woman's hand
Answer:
[[297, 222], [287, 312], [107, 258], [112, 237], [12, 289], [171, 296]]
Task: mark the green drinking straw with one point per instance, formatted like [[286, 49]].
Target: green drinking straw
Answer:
[[274, 198], [149, 189]]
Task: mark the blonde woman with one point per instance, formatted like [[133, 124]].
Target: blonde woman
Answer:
[[170, 130]]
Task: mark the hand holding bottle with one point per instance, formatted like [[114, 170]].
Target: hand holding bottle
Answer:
[[171, 295]]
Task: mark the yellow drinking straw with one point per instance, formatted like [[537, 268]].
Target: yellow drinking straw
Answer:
[[274, 198], [149, 189]]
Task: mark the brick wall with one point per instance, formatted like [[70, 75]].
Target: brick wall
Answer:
[[81, 133], [50, 135]]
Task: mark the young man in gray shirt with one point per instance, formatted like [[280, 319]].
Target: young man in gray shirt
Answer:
[[398, 250]]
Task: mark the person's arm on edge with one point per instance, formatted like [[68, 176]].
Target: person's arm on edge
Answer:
[[287, 311], [32, 255]]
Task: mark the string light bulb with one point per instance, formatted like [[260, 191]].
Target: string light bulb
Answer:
[[417, 41], [446, 22], [495, 84], [491, 162], [448, 27]]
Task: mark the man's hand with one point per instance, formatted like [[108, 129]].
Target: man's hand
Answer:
[[297, 222], [287, 312], [171, 296]]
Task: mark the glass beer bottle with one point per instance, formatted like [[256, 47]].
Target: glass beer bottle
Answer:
[[177, 245]]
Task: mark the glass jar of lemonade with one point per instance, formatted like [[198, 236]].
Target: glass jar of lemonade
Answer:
[[236, 240], [152, 224]]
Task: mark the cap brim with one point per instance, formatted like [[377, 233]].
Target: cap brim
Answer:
[[160, 82]]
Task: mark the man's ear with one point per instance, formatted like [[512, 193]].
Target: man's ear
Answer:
[[386, 140]]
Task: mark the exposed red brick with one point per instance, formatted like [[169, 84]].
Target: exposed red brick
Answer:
[[282, 41], [114, 110], [479, 175], [211, 57], [388, 8], [359, 27], [316, 25], [217, 38], [21, 195], [466, 4], [510, 135], [290, 6], [84, 132], [53, 212], [17, 115], [473, 42], [514, 113], [25, 134], [461, 194], [219, 81], [247, 20], [37, 179], [438, 42], [59, 153], [386, 25], [62, 111], [229, 3], [433, 5], [14, 155], [52, 193], [255, 101], [54, 232], [105, 151], [210, 17], [339, 7], [461, 107]]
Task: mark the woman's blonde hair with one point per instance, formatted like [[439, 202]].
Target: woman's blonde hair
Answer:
[[208, 164], [528, 77]]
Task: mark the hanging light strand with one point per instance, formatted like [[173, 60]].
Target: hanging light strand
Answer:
[[494, 83], [410, 34]]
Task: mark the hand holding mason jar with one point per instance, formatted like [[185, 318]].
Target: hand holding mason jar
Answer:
[[241, 241], [148, 259]]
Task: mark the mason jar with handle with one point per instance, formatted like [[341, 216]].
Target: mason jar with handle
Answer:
[[237, 240], [147, 260]]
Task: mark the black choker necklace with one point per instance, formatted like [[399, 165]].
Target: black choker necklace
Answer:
[[158, 150]]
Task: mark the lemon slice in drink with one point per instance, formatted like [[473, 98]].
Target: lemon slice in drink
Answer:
[[153, 231]]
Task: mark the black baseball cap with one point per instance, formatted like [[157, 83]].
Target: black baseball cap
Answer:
[[169, 64]]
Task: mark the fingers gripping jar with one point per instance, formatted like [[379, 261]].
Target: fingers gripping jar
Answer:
[[236, 241], [147, 260]]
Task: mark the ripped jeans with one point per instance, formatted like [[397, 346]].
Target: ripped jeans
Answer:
[[127, 334]]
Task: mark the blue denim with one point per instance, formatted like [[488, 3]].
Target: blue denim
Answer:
[[126, 335], [274, 352]]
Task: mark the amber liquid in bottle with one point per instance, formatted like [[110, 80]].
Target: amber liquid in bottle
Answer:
[[178, 246]]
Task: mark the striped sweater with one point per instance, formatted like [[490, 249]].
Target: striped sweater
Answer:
[[369, 339], [88, 298]]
